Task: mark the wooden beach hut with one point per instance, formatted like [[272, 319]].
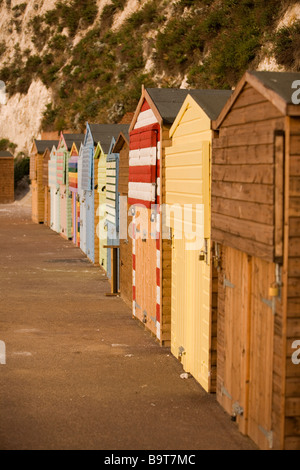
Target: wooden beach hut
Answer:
[[47, 194], [256, 228], [151, 248], [96, 147], [7, 191], [87, 190], [121, 148], [54, 192], [63, 155], [81, 197], [194, 279], [38, 150], [73, 187], [113, 211]]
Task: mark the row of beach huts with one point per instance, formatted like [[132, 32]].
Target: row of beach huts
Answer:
[[193, 211]]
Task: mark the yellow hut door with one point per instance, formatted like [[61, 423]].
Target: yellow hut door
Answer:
[[191, 315], [178, 326]]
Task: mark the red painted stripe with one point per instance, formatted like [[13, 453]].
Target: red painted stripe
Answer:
[[158, 277], [158, 243], [133, 202], [145, 141], [133, 293], [134, 262], [142, 130], [142, 174], [145, 106], [158, 313]]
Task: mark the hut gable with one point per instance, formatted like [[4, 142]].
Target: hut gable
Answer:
[[122, 148], [245, 204]]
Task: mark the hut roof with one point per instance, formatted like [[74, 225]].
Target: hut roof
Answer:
[[168, 101], [211, 101], [103, 133], [42, 145], [6, 154], [71, 139]]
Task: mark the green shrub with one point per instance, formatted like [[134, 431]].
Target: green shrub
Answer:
[[2, 48], [4, 143], [58, 42], [49, 116], [287, 46]]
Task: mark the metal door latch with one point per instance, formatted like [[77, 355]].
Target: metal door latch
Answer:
[[237, 410], [181, 352], [204, 253]]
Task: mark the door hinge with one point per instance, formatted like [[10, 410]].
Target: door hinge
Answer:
[[269, 436], [270, 303], [181, 352], [237, 409], [225, 393], [227, 283]]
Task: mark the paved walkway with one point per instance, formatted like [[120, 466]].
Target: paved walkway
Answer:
[[80, 372]]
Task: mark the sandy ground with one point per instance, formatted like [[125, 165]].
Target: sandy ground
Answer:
[[80, 372]]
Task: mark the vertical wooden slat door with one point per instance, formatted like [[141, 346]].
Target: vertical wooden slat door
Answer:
[[233, 328], [178, 333], [145, 272], [261, 354]]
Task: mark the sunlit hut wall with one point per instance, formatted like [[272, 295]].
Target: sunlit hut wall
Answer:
[[103, 135], [149, 136], [36, 176], [47, 196], [54, 192], [73, 187], [81, 196], [125, 275], [87, 198], [255, 222], [113, 205], [194, 279], [63, 155], [6, 177]]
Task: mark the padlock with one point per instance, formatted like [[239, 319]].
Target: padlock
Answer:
[[274, 290]]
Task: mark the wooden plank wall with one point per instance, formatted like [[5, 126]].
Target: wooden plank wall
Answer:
[[292, 382], [125, 244], [166, 253], [38, 192], [96, 212], [243, 176], [6, 180]]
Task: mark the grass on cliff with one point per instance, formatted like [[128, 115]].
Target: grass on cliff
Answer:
[[210, 42]]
